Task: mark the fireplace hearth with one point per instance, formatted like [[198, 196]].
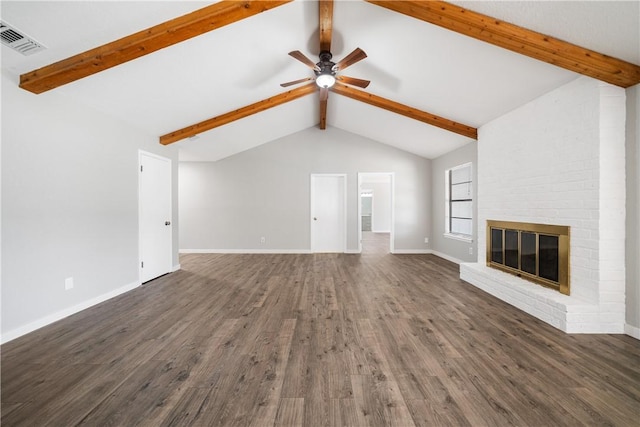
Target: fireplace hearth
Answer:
[[537, 252]]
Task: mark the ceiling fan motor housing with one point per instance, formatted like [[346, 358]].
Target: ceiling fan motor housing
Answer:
[[326, 66]]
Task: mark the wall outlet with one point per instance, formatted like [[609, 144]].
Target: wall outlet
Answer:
[[426, 240], [68, 283], [470, 251], [263, 240]]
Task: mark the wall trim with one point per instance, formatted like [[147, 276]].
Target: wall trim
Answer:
[[175, 268], [305, 251], [412, 251], [59, 315], [632, 331], [447, 257], [460, 237], [245, 251]]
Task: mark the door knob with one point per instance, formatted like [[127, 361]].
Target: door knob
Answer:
[[167, 223]]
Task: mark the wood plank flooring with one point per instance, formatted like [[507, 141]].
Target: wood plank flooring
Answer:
[[315, 340], [375, 243]]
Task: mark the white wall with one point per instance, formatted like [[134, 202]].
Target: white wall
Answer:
[[560, 159], [230, 204], [69, 206], [445, 246], [381, 207], [633, 212]]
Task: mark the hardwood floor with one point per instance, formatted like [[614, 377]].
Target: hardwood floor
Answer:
[[375, 243], [315, 340]]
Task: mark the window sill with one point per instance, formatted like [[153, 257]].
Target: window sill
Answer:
[[461, 237]]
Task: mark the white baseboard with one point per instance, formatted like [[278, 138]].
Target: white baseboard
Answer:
[[256, 251], [447, 257], [303, 251], [175, 268], [47, 320], [632, 331], [245, 251], [308, 251]]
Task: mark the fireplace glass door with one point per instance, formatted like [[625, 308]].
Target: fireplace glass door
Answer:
[[528, 252], [534, 251]]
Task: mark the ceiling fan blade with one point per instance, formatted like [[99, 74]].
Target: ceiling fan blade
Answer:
[[324, 95], [295, 82], [326, 24], [355, 56], [353, 81], [306, 61]]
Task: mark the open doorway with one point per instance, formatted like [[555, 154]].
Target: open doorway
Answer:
[[375, 212]]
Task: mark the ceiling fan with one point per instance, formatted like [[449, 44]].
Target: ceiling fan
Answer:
[[326, 75], [326, 70]]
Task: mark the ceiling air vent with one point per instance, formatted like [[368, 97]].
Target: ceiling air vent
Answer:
[[18, 41]]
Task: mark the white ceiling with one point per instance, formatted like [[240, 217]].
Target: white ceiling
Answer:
[[409, 61]]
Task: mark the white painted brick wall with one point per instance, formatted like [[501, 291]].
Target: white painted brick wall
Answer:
[[612, 204], [560, 160]]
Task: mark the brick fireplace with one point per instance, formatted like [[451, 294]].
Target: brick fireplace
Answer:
[[560, 160]]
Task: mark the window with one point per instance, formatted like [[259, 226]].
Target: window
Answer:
[[459, 202]]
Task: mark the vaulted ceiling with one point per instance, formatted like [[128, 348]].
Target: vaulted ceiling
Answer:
[[418, 71]]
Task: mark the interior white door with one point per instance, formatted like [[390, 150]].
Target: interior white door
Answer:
[[328, 213], [155, 216]]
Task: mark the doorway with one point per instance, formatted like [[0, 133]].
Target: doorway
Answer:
[[375, 212], [328, 213], [154, 213]]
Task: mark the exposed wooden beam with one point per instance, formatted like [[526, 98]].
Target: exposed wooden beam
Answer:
[[238, 114], [143, 43], [404, 110], [326, 24], [324, 96], [518, 39], [325, 12]]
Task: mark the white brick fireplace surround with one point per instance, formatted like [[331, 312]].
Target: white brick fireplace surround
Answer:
[[560, 159]]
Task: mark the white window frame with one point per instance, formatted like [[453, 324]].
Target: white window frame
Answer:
[[448, 200]]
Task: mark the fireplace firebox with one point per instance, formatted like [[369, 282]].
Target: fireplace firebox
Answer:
[[537, 252]]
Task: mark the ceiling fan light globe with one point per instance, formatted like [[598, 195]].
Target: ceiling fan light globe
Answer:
[[325, 80]]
